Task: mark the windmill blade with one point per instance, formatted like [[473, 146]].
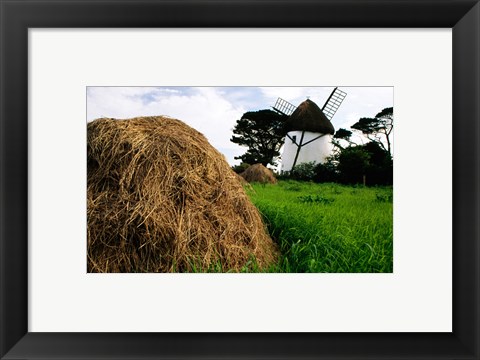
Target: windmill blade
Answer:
[[333, 102], [284, 107]]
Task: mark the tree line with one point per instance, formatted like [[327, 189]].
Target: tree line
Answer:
[[369, 162]]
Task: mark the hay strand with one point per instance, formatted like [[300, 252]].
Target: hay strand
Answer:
[[160, 198]]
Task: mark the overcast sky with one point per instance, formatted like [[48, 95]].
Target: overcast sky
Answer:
[[214, 110]]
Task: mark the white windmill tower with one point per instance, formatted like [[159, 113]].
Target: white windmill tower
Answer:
[[309, 130]]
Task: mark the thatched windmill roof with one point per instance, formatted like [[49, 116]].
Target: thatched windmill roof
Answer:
[[309, 117]]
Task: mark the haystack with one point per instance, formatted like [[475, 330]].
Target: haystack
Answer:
[[259, 173], [162, 199]]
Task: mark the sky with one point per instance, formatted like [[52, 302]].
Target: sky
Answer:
[[214, 110]]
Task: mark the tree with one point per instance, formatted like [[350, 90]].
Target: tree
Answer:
[[341, 134], [353, 163], [263, 133], [369, 162], [378, 128], [380, 169], [327, 171]]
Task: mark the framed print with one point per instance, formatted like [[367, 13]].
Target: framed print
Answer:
[[319, 288], [59, 64]]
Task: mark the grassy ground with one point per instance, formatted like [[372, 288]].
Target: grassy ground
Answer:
[[328, 227]]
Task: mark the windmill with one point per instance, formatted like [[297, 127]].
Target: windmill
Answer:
[[309, 130]]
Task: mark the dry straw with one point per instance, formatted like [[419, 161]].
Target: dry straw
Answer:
[[244, 182], [259, 173], [162, 199]]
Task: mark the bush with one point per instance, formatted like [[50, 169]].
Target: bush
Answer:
[[368, 160], [240, 168], [380, 170], [349, 167], [315, 199], [352, 164], [311, 171], [304, 171], [326, 172]]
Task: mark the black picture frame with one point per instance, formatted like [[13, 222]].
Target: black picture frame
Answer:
[[17, 16]]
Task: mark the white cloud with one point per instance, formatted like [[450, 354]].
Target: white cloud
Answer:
[[296, 95], [287, 93], [203, 109]]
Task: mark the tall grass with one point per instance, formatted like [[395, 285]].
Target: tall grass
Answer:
[[328, 227]]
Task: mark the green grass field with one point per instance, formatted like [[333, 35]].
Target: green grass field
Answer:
[[328, 227]]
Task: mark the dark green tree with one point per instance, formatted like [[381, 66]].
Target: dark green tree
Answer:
[[327, 171], [341, 134], [263, 133], [369, 160], [378, 129], [380, 169], [353, 163]]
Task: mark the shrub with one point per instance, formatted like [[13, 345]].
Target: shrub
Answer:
[[315, 199], [303, 171], [352, 164], [240, 168], [326, 172]]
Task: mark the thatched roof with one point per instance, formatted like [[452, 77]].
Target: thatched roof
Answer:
[[309, 117]]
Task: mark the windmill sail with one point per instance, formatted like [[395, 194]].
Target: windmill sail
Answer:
[[333, 103], [284, 107]]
